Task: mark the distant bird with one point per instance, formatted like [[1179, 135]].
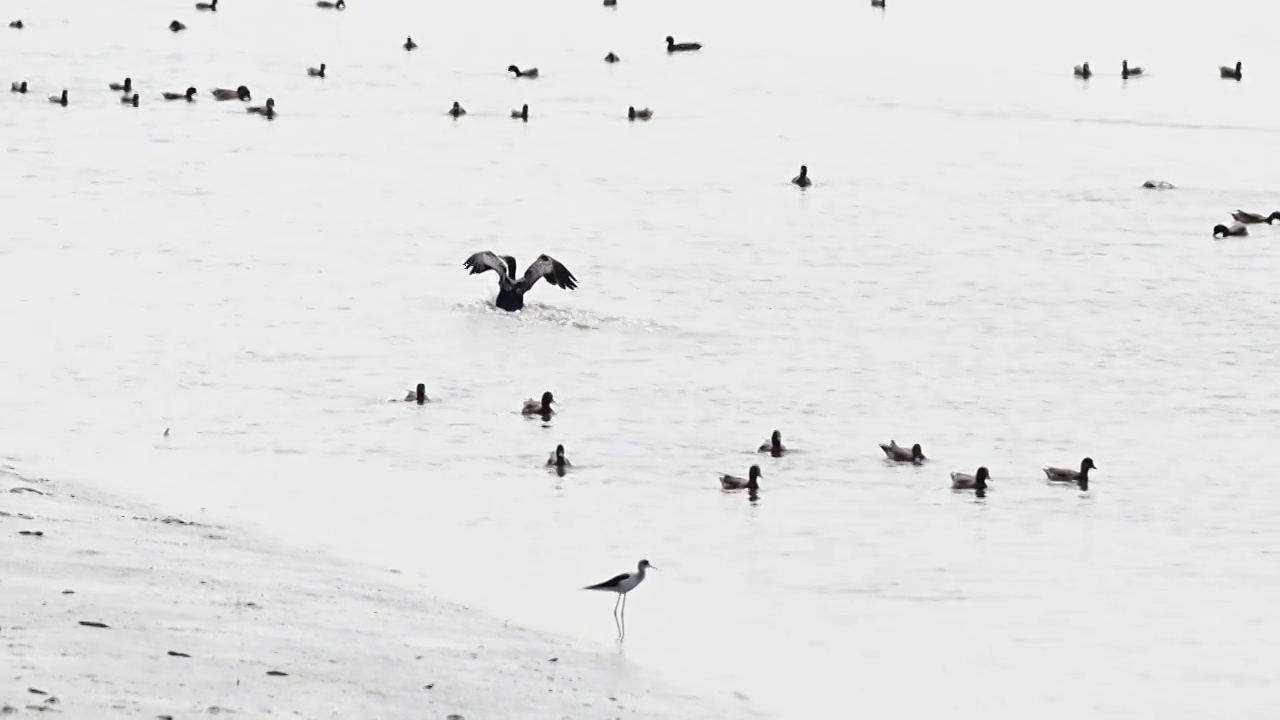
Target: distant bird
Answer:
[[176, 26], [774, 445], [126, 86], [1236, 230], [511, 291], [189, 95], [316, 72], [539, 407], [877, 3], [166, 432], [456, 111], [611, 58], [418, 395], [1254, 218], [802, 179], [1228, 74], [18, 87], [733, 482], [521, 114], [557, 459], [59, 99], [1080, 477], [634, 114], [963, 481], [17, 25], [1127, 72], [673, 46], [269, 109], [211, 5], [326, 4], [531, 73], [1158, 185], [130, 100], [622, 584], [1083, 71], [409, 44], [240, 93], [610, 3], [897, 453]]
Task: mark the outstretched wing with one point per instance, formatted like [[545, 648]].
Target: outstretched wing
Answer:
[[487, 260], [551, 269]]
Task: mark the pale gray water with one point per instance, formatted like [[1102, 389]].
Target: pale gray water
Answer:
[[975, 269]]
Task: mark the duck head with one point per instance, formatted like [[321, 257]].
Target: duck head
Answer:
[[560, 461], [191, 93], [753, 478], [1086, 465], [1270, 218], [917, 453], [524, 114], [631, 113], [514, 69], [804, 171], [547, 399], [775, 439], [128, 84], [1222, 230], [980, 480], [242, 92], [420, 393], [670, 41], [1086, 70]]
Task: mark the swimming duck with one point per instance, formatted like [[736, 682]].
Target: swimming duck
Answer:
[[59, 99], [673, 46], [316, 72], [1080, 476], [267, 109], [610, 3], [535, 407], [1157, 185], [802, 179], [732, 482], [531, 73], [1254, 218], [1127, 72], [877, 3], [211, 5], [240, 93], [456, 111], [126, 86], [511, 291], [611, 58], [1083, 71], [418, 394], [964, 481], [17, 25], [774, 445], [897, 453], [18, 87], [557, 458], [1228, 74], [521, 114], [326, 4], [130, 100], [634, 114], [189, 95], [1236, 230], [409, 44], [176, 26]]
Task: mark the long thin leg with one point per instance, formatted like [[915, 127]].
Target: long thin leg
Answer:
[[617, 626], [623, 632]]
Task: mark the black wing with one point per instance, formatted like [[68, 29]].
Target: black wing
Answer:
[[611, 582], [487, 260], [551, 269]]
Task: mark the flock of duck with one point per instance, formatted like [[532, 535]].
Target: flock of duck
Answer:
[[774, 447], [1226, 72]]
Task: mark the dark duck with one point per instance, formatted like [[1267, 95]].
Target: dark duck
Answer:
[[511, 290], [774, 446]]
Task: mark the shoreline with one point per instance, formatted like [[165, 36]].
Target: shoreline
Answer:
[[203, 619]]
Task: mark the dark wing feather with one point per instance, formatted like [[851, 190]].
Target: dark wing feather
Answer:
[[551, 269], [611, 582], [486, 260]]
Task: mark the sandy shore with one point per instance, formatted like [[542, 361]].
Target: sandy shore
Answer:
[[117, 613]]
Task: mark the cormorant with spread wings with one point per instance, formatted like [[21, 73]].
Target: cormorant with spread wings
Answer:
[[511, 289]]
